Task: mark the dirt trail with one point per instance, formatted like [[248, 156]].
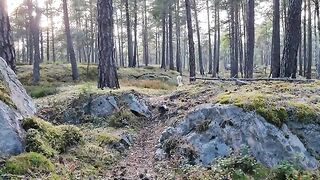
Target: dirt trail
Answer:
[[139, 161]]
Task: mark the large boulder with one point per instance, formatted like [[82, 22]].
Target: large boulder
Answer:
[[15, 104], [221, 130]]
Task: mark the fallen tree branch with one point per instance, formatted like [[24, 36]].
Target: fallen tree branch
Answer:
[[255, 79]]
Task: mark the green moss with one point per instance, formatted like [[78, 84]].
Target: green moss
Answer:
[[204, 126], [41, 91], [123, 118], [5, 95], [94, 155], [28, 163], [261, 103], [43, 137], [107, 139], [304, 111]]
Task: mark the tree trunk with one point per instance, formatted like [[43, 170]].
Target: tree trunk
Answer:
[[145, 36], [163, 58], [250, 39], [6, 43], [209, 36], [107, 69], [292, 41], [130, 50], [318, 40], [171, 61], [305, 62], [135, 52], [308, 75], [70, 49], [275, 51], [192, 63], [199, 38], [178, 32], [36, 41]]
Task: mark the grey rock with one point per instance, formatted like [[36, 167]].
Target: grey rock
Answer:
[[139, 108], [126, 139], [159, 155], [166, 134], [309, 135], [103, 106], [11, 133], [18, 94], [227, 129]]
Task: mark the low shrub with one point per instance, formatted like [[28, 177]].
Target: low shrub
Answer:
[[41, 91]]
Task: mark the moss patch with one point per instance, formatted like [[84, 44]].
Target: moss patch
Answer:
[[265, 105], [28, 163], [5, 95], [304, 112], [45, 138], [41, 91], [107, 139]]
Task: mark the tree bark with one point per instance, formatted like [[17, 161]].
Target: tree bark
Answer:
[[275, 51], [171, 61], [130, 50], [250, 39], [209, 38], [7, 51], [163, 58], [292, 41], [198, 37], [309, 73], [192, 64], [107, 69], [178, 32], [70, 49], [135, 52], [36, 41]]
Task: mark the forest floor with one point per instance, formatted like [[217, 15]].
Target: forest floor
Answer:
[[56, 92]]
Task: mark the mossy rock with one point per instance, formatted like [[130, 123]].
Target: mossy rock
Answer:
[[28, 163], [5, 95], [304, 112], [124, 118], [45, 138], [263, 104]]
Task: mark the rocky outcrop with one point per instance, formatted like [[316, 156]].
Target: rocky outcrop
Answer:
[[137, 106], [20, 106], [221, 130], [103, 106]]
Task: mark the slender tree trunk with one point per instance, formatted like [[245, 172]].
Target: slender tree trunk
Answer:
[[122, 41], [163, 58], [171, 62], [30, 38], [135, 52], [145, 36], [217, 44], [318, 40], [305, 61], [309, 73], [250, 39], [292, 41], [107, 69], [275, 51], [36, 41], [209, 36], [199, 38], [70, 49], [178, 32], [130, 50], [233, 59], [192, 63], [6, 43]]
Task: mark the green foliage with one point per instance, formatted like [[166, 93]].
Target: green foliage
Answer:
[[170, 145], [28, 163], [204, 126], [43, 137], [41, 91]]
